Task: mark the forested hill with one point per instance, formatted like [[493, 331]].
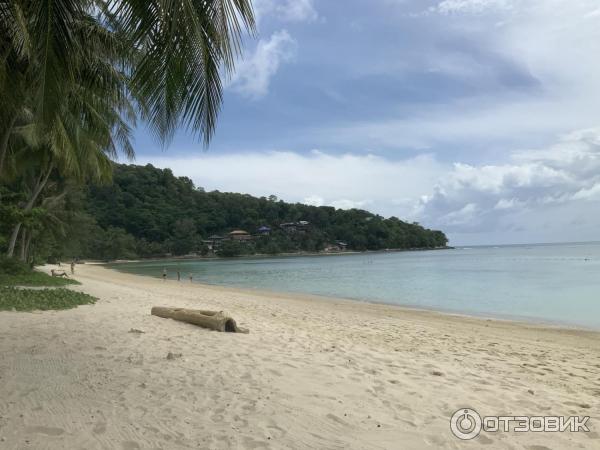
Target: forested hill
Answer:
[[149, 212]]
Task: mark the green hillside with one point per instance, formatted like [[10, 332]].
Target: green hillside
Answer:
[[150, 212]]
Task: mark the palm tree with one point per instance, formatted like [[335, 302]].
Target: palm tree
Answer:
[[175, 51], [184, 47], [87, 127], [75, 75]]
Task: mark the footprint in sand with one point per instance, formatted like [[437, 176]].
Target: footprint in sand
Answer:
[[99, 428], [484, 440], [48, 431], [337, 419]]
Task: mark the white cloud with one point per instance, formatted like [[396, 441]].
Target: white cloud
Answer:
[[464, 216], [344, 181], [286, 10], [551, 193], [314, 200], [253, 74], [591, 193], [530, 67], [345, 203], [507, 204], [472, 6], [545, 194], [491, 198]]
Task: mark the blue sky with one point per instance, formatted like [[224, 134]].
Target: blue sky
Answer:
[[478, 117]]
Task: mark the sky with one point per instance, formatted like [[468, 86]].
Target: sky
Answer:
[[477, 117]]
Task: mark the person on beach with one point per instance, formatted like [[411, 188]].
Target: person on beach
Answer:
[[178, 275], [164, 275], [72, 267]]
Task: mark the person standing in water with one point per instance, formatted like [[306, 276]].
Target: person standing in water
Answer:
[[178, 275], [191, 277], [164, 275]]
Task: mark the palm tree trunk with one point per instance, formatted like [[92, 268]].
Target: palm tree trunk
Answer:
[[24, 237], [27, 246], [40, 185], [4, 142], [13, 240]]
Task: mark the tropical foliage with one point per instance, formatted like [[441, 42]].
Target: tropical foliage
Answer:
[[13, 299], [76, 76], [149, 212]]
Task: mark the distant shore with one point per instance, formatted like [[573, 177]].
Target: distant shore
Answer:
[[311, 373], [275, 255]]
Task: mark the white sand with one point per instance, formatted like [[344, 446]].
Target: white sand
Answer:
[[311, 374]]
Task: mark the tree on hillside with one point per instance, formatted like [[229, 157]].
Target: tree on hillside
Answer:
[[185, 237]]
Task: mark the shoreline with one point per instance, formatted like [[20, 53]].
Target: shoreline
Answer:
[[311, 374], [360, 303], [524, 320], [386, 307], [266, 255]]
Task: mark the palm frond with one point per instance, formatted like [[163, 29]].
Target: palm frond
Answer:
[[184, 47]]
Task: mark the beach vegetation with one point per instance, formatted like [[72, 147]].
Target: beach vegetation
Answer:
[[16, 299], [34, 278], [17, 273]]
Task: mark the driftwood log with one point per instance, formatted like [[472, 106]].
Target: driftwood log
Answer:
[[213, 320]]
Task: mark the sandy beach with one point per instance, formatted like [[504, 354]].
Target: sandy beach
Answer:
[[312, 374]]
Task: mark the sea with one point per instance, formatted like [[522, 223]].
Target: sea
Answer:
[[557, 284]]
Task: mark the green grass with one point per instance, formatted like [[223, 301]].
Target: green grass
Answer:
[[17, 273], [44, 299], [32, 278]]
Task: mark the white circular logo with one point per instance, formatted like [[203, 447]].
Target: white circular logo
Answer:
[[465, 424]]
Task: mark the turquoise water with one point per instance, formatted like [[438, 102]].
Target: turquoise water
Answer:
[[557, 283]]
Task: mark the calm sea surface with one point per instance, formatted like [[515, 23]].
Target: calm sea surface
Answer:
[[557, 283]]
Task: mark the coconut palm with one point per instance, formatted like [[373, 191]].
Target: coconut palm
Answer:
[[174, 51], [184, 48], [87, 126], [55, 52], [75, 75]]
